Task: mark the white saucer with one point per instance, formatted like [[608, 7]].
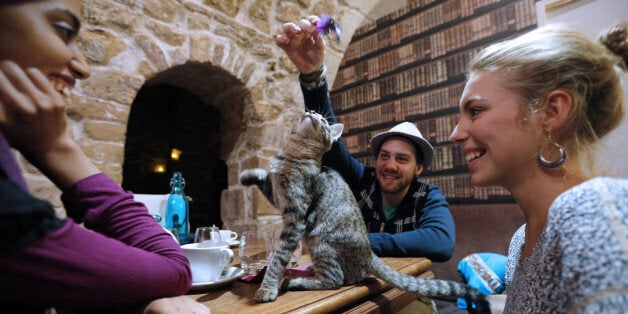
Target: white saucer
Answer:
[[230, 275], [233, 243]]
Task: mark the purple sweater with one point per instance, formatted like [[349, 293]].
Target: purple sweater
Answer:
[[121, 257]]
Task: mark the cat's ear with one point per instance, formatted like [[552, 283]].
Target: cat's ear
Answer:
[[336, 131]]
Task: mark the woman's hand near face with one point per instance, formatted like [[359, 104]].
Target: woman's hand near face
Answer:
[[32, 115], [303, 44], [33, 119]]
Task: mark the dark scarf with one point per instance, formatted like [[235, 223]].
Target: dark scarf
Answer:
[[23, 218], [8, 165]]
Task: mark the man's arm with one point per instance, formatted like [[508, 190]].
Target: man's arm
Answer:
[[305, 47], [434, 238]]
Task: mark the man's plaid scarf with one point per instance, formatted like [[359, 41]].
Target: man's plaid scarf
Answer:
[[407, 213]]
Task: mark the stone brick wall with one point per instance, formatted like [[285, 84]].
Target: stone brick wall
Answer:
[[129, 42]]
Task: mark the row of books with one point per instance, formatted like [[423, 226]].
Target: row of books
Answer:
[[436, 99], [459, 186], [428, 47], [443, 12], [405, 82], [451, 9], [515, 15], [360, 143], [388, 61], [408, 108], [437, 130], [394, 16], [447, 157]]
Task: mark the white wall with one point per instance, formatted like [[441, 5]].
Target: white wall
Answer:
[[592, 17]]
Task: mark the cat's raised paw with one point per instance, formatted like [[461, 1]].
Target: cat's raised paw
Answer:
[[266, 295]]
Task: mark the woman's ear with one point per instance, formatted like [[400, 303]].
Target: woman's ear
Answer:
[[558, 107]]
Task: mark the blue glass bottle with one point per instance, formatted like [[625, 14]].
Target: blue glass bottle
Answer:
[[177, 211]]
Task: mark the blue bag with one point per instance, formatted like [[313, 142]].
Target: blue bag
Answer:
[[483, 271]]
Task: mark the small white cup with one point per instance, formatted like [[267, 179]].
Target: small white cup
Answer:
[[207, 261], [228, 235]]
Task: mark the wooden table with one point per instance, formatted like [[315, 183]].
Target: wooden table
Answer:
[[374, 296]]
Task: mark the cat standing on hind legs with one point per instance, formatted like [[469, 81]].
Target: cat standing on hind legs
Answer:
[[319, 206]]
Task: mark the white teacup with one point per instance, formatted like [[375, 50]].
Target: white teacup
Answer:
[[207, 261], [228, 235]]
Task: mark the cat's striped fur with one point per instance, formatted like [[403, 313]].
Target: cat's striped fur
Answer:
[[319, 206]]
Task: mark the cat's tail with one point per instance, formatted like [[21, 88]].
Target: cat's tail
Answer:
[[253, 176], [431, 288]]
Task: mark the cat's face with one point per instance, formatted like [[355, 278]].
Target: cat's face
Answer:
[[313, 126]]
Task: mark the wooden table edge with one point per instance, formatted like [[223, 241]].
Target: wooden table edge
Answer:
[[390, 301], [356, 293]]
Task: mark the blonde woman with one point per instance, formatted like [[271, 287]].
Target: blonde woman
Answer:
[[531, 111]]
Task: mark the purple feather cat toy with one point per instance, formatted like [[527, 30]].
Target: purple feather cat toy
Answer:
[[327, 25]]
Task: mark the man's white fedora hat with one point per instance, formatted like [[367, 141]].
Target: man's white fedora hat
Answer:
[[409, 131]]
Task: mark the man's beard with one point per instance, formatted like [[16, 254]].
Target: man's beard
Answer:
[[394, 189]]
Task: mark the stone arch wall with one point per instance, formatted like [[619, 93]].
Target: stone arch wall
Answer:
[[167, 114], [129, 43]]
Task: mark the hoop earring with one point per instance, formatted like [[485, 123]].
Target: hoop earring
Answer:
[[556, 162]]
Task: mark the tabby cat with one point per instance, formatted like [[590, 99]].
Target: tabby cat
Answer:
[[318, 205]]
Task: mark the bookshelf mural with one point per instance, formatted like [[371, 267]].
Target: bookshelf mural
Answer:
[[410, 66]]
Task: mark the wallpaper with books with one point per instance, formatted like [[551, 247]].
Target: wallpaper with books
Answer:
[[410, 66]]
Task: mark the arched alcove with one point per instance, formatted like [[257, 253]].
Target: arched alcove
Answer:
[[178, 122]]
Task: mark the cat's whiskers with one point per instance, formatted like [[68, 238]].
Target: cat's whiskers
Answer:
[[327, 117]]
